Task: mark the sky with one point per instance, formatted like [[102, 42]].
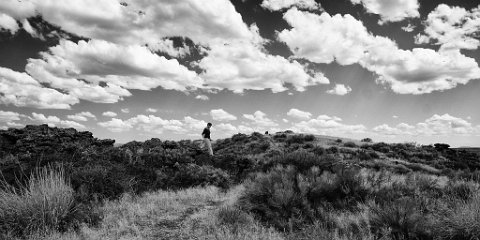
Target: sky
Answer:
[[389, 70]]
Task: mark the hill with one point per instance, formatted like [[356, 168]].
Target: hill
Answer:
[[280, 186]]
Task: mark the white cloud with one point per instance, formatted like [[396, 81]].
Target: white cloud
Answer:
[[116, 125], [452, 27], [324, 39], [8, 23], [202, 97], [137, 22], [340, 89], [260, 119], [157, 125], [53, 121], [395, 116], [21, 90], [326, 125], [298, 114], [391, 10], [125, 110], [244, 64], [103, 72], [83, 116], [154, 124], [167, 46], [225, 129], [7, 116], [222, 115], [15, 125], [276, 5], [152, 110], [408, 28], [109, 114], [443, 125]]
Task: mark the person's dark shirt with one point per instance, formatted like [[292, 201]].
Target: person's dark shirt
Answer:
[[206, 133]]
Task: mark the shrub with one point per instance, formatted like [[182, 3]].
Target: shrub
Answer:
[[460, 222], [276, 199], [234, 217], [43, 204], [338, 140], [191, 175], [303, 160], [309, 137], [332, 150], [405, 217], [350, 144], [319, 151], [289, 200], [368, 140], [343, 189], [295, 139]]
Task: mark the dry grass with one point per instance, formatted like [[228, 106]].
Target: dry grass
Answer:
[[40, 206], [461, 222], [187, 214]]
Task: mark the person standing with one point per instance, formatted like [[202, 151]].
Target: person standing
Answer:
[[206, 138]]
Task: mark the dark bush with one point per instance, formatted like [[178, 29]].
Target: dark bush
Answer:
[[309, 137], [350, 144], [368, 140], [405, 217], [332, 150], [191, 175], [276, 199], [319, 151]]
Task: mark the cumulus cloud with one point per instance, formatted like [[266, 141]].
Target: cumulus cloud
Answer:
[[7, 116], [225, 129], [326, 125], [103, 72], [260, 119], [152, 110], [53, 121], [324, 39], [109, 114], [8, 23], [340, 89], [116, 125], [277, 5], [155, 124], [202, 97], [119, 55], [391, 10], [443, 125], [82, 116], [452, 27], [167, 46], [125, 110], [8, 119], [21, 90], [408, 28], [241, 65], [137, 22], [298, 114], [222, 115]]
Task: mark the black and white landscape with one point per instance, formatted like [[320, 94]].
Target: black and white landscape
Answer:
[[348, 119]]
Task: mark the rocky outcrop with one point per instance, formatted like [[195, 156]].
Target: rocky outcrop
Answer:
[[36, 139]]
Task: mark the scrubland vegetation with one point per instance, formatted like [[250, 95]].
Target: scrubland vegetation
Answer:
[[62, 184]]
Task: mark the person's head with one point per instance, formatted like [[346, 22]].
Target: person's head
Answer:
[[209, 125]]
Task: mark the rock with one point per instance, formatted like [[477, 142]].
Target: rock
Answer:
[[40, 139]]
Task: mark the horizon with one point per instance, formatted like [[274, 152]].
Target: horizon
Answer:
[[393, 71]]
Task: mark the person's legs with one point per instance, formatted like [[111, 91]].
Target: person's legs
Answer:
[[208, 144]]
